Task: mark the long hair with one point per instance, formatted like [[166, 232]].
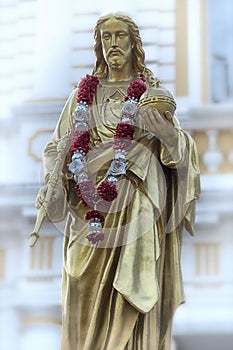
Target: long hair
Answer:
[[101, 68]]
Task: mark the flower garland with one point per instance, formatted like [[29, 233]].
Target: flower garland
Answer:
[[85, 188]]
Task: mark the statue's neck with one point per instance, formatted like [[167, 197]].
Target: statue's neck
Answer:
[[123, 74]]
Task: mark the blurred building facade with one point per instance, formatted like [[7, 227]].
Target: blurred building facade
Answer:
[[46, 47]]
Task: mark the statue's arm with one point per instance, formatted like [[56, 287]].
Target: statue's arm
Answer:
[[166, 128], [55, 159], [175, 144], [64, 123]]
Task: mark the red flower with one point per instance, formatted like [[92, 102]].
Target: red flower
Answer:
[[87, 89], [80, 141], [87, 192], [124, 144], [136, 89], [94, 214], [107, 191], [95, 237], [123, 136], [124, 130]]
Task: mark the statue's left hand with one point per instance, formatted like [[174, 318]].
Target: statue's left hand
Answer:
[[160, 125]]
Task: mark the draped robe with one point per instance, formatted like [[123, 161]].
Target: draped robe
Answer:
[[122, 293]]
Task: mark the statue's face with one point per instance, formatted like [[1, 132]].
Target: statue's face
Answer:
[[116, 43]]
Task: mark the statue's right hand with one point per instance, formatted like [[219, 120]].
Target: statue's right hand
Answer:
[[41, 196], [57, 195], [54, 201]]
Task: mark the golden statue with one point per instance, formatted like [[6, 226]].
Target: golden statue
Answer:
[[128, 187]]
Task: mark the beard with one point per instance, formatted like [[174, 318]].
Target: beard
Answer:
[[116, 59], [116, 62]]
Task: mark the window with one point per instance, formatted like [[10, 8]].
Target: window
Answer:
[[220, 28]]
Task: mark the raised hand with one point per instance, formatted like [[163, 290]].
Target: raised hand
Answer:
[[162, 126]]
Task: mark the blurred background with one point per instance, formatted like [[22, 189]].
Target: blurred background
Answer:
[[46, 46]]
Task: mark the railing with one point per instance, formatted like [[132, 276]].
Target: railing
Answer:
[[212, 128]]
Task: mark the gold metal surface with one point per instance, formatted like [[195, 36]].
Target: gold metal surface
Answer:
[[62, 146], [122, 293]]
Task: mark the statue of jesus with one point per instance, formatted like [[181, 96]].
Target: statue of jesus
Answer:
[[129, 184]]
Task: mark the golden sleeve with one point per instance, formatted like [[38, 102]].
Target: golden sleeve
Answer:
[[64, 123]]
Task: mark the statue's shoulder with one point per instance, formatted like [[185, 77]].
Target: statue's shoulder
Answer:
[[73, 94], [157, 96]]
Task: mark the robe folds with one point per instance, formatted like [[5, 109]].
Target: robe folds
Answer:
[[122, 293]]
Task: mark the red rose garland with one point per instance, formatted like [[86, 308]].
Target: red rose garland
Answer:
[[87, 192], [107, 191], [87, 89], [135, 90], [85, 188], [80, 141], [123, 136]]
